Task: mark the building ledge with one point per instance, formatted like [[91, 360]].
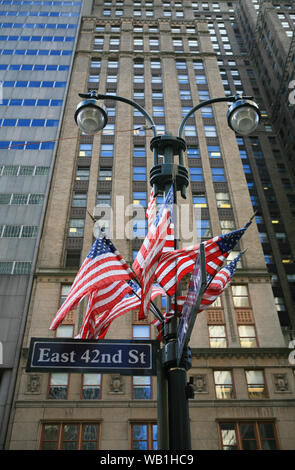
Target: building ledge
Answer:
[[240, 352]]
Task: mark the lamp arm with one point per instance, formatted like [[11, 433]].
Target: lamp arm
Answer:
[[206, 103], [99, 96]]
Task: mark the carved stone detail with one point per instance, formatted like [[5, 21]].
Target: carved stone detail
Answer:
[[33, 385], [116, 384]]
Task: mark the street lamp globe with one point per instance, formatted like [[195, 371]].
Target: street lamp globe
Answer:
[[243, 116], [90, 116]]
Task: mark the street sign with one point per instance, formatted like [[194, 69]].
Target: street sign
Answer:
[[128, 357], [191, 306]]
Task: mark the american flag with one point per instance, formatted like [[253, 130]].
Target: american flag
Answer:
[[147, 259], [99, 325], [218, 284], [173, 266], [102, 267], [151, 214], [151, 208], [103, 300]]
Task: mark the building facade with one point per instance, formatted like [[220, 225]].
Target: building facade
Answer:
[[168, 56], [37, 43]]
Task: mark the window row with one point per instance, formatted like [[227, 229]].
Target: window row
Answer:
[[39, 13], [85, 436], [33, 84], [41, 2], [25, 145], [37, 38], [39, 25], [38, 52], [232, 435], [30, 102], [21, 199], [29, 122], [15, 267], [141, 386], [18, 231], [35, 67], [23, 170]]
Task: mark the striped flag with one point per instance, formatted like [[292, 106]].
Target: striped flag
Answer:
[[147, 259], [151, 214], [99, 325], [173, 266], [102, 267], [103, 300], [218, 284], [151, 208]]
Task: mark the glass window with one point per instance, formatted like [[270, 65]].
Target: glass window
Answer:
[[218, 174], [193, 152], [144, 436], [141, 388], [91, 386], [76, 227], [196, 174], [240, 296], [79, 199], [223, 384], [139, 228], [214, 151], [139, 173], [222, 200], [255, 383], [105, 174], [141, 332], [217, 336], [85, 150], [200, 200], [247, 336], [58, 386], [203, 228], [139, 198]]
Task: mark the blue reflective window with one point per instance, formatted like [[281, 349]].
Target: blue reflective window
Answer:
[[15, 102], [32, 145], [24, 38], [21, 84], [7, 52], [14, 67], [47, 84], [32, 52], [29, 102], [52, 123], [9, 122], [24, 122], [43, 52], [8, 83], [60, 84], [4, 144], [63, 67], [34, 38], [53, 52], [3, 67], [56, 103], [4, 102], [3, 38], [66, 53], [47, 145], [196, 174], [17, 145], [218, 174], [43, 103], [38, 122], [27, 67], [39, 67], [20, 52], [51, 67], [34, 84]]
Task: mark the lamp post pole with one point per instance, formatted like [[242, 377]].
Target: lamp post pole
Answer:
[[173, 389]]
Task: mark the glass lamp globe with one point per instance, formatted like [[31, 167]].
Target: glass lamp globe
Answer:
[[90, 116], [243, 116]]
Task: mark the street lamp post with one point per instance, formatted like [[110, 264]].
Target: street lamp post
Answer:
[[173, 390]]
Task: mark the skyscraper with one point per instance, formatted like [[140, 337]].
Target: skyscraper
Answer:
[[167, 57]]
